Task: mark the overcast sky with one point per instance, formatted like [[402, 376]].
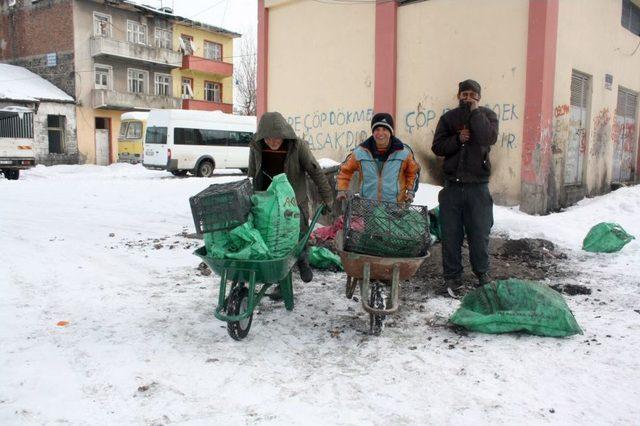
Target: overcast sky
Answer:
[[240, 16]]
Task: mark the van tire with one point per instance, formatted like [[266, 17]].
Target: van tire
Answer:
[[12, 174], [205, 168]]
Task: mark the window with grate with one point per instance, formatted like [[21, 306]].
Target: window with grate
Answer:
[[55, 130], [630, 16]]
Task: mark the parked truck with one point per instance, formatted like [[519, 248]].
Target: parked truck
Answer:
[[16, 140]]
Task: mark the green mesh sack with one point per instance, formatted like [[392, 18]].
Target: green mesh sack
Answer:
[[606, 237], [386, 234], [323, 258], [516, 305], [277, 217]]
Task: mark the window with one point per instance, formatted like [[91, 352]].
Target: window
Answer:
[[134, 130], [101, 25], [212, 91], [123, 129], [156, 135], [136, 80], [624, 145], [631, 16], [186, 44], [187, 84], [163, 39], [102, 76], [55, 129], [578, 133], [240, 138], [163, 85], [19, 126], [183, 136], [213, 51], [136, 32]]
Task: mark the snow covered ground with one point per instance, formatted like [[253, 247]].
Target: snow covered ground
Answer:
[[104, 249]]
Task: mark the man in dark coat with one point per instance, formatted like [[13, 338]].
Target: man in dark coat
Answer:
[[276, 149], [464, 137]]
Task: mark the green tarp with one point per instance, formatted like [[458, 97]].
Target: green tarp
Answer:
[[323, 258], [516, 305], [606, 237]]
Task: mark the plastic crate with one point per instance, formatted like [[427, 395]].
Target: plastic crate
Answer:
[[221, 206], [380, 228]]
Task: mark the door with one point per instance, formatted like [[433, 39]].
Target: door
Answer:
[[624, 147], [155, 146], [102, 147], [577, 143]]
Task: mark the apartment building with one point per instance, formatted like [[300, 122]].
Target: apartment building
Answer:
[[114, 56]]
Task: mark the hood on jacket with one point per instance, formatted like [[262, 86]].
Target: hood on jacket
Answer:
[[274, 125]]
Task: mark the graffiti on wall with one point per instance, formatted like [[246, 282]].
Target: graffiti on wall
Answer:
[[339, 129], [426, 119], [623, 136], [601, 133]]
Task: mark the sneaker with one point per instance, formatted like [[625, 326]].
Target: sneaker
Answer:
[[483, 278]]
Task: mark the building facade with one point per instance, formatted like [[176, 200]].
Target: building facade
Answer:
[[113, 56], [560, 74], [205, 79]]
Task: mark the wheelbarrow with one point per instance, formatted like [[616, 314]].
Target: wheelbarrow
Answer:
[[379, 281], [250, 280]]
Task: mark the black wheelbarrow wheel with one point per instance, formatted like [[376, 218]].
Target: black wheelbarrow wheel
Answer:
[[377, 300], [237, 304]]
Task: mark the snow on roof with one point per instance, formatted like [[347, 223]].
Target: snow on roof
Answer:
[[20, 84], [135, 115]]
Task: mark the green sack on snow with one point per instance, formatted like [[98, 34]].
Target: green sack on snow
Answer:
[[242, 242], [606, 237], [277, 217], [516, 305], [395, 234], [323, 258]]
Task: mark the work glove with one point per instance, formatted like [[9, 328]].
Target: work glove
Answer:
[[326, 208], [409, 196], [342, 195]]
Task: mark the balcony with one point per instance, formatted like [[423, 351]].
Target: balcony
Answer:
[[207, 106], [209, 66], [102, 46], [110, 99]]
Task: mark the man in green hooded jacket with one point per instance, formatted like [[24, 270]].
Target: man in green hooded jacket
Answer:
[[276, 149]]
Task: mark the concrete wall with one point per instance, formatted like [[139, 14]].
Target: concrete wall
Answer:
[[592, 40], [439, 47], [321, 71], [27, 34], [41, 135]]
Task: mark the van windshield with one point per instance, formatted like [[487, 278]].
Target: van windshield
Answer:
[[156, 135]]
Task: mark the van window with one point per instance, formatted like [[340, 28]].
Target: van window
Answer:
[[156, 135], [123, 129], [240, 138], [209, 137], [134, 131]]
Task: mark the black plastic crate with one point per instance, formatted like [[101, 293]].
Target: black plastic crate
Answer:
[[221, 206], [380, 228]]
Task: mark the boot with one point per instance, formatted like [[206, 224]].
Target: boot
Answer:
[[483, 278], [454, 286], [306, 274]]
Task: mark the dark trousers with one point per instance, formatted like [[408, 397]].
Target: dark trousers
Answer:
[[304, 227], [465, 209]]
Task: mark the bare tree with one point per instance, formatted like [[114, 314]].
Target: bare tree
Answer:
[[245, 78]]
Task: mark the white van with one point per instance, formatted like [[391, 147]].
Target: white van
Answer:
[[182, 141], [16, 140]]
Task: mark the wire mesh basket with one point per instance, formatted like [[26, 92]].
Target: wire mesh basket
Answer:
[[221, 206], [380, 228]]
